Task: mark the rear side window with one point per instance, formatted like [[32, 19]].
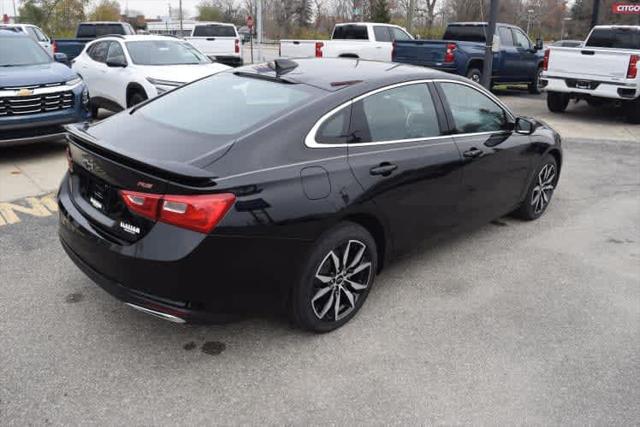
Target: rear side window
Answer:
[[334, 130], [473, 111], [465, 33], [225, 105], [115, 53], [620, 38], [382, 34], [350, 32], [506, 39], [98, 51], [41, 37], [214, 31], [405, 112]]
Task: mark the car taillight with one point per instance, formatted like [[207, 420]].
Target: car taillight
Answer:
[[545, 60], [319, 46], [393, 51], [632, 71], [449, 54], [237, 46], [54, 46], [200, 212]]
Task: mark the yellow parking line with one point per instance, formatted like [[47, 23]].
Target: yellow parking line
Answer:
[[41, 206]]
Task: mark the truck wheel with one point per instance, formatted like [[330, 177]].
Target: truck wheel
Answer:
[[534, 86], [633, 111], [475, 75], [557, 102]]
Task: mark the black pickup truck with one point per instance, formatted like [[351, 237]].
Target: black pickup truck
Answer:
[[88, 31]]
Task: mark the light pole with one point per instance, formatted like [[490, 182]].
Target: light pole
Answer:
[[562, 30], [529, 13], [259, 28]]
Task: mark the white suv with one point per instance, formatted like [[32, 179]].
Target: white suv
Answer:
[[123, 70], [35, 33]]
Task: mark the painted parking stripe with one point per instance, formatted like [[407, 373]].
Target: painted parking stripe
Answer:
[[40, 206]]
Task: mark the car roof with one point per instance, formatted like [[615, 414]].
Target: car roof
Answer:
[[10, 32], [136, 37], [332, 74]]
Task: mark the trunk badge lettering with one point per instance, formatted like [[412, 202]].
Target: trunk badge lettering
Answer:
[[88, 164], [95, 203], [143, 184], [131, 229]]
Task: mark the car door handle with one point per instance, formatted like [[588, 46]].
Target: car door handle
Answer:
[[472, 153], [384, 169]]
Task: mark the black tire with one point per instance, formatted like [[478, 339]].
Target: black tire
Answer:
[[633, 111], [475, 74], [136, 98], [557, 102], [534, 86], [319, 315], [536, 202]]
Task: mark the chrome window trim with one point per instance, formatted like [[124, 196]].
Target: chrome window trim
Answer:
[[310, 139]]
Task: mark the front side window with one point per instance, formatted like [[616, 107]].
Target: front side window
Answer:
[[225, 105], [382, 34], [165, 52], [405, 112], [16, 51], [473, 111], [521, 40], [115, 53], [398, 34]]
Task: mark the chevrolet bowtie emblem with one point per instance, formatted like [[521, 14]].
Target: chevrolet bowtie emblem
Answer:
[[25, 92]]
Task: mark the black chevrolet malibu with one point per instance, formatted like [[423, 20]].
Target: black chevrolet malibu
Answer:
[[294, 182]]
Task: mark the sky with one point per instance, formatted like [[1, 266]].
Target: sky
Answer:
[[151, 8]]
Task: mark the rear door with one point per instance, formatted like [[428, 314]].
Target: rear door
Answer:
[[497, 161], [403, 162], [509, 69], [94, 68], [527, 56]]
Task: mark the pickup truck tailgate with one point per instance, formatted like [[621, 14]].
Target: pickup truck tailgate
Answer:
[[212, 46], [298, 48], [587, 62], [420, 52]]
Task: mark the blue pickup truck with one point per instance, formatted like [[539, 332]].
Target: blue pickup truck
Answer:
[[37, 94], [88, 31], [461, 51]]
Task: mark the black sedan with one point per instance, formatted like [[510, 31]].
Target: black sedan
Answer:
[[293, 182]]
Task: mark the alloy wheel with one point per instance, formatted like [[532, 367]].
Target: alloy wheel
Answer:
[[343, 275], [542, 192]]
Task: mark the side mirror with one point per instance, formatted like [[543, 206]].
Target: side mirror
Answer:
[[116, 62], [416, 36], [61, 58], [539, 44], [523, 126]]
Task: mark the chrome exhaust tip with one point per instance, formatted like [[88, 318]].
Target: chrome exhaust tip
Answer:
[[155, 313]]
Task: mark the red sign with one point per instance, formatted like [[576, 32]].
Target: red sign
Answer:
[[626, 8], [250, 21], [5, 19]]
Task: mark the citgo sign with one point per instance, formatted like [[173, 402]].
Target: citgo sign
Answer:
[[626, 8]]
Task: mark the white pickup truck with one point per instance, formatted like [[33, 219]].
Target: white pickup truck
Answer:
[[604, 71], [219, 41], [364, 40]]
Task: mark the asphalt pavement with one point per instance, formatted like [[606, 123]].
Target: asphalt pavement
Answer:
[[512, 323]]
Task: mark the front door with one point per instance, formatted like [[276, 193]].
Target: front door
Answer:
[[404, 164], [528, 55], [496, 159]]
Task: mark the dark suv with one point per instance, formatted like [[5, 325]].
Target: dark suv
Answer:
[[37, 94]]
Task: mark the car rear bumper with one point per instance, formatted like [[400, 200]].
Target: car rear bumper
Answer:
[[181, 273], [595, 88], [232, 61]]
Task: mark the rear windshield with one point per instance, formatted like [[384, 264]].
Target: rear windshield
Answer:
[[97, 30], [16, 51], [165, 52], [214, 31], [225, 104], [465, 33], [350, 32], [620, 38]]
